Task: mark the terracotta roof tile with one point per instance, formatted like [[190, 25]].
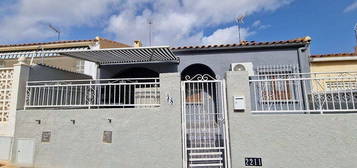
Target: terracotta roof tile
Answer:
[[334, 55], [44, 43], [248, 43]]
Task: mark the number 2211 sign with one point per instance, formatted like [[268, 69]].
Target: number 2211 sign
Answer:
[[253, 161]]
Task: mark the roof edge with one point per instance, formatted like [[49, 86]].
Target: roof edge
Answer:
[[239, 47], [247, 44], [333, 55], [62, 44], [49, 45]]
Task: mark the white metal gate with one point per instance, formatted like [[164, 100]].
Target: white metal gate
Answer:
[[204, 122]]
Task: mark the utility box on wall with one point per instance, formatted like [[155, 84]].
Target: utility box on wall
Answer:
[[239, 103], [25, 152]]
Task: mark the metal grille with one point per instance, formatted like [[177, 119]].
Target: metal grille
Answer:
[[266, 70], [6, 81], [304, 93], [204, 122], [131, 92]]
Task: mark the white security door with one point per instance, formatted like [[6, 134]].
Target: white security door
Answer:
[[24, 151], [204, 123]]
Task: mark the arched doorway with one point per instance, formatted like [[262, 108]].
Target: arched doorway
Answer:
[[197, 70]]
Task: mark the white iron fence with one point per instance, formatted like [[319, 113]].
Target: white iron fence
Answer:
[[304, 93], [130, 92]]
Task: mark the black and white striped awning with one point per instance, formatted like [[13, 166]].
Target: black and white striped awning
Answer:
[[126, 55]]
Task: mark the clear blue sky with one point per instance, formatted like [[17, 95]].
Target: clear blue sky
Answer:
[[325, 21], [330, 23]]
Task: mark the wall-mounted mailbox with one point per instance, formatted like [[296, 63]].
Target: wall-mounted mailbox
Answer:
[[239, 103]]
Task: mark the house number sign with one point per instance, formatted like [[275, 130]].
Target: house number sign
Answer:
[[253, 161]]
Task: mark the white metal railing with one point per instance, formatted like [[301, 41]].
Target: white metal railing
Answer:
[[304, 93], [129, 92]]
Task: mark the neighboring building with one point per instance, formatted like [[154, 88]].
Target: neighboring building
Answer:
[[47, 53], [219, 106], [334, 62], [338, 62]]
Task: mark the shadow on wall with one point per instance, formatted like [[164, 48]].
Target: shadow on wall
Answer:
[[137, 73], [41, 72], [134, 89]]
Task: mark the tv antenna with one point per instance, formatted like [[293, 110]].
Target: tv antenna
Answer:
[[355, 29], [150, 22], [240, 21], [56, 30]]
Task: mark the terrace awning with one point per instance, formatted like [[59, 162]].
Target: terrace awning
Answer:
[[125, 55]]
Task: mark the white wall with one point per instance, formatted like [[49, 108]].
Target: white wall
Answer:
[[5, 148], [142, 137]]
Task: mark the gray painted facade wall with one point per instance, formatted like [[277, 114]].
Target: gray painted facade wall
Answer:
[[219, 60], [142, 137], [288, 140]]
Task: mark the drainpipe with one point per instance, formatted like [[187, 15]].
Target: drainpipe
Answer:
[[303, 52], [97, 73]]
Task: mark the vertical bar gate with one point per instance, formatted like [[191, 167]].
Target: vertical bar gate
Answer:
[[204, 123]]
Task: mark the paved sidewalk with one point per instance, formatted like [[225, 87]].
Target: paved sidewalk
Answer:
[[6, 165]]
